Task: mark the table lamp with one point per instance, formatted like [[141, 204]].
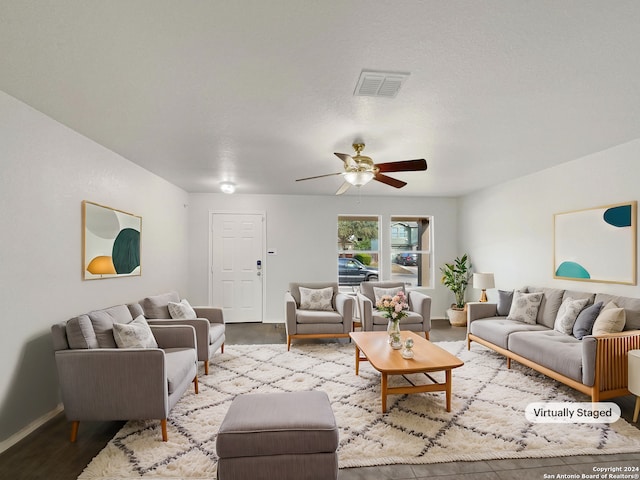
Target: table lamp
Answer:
[[483, 281]]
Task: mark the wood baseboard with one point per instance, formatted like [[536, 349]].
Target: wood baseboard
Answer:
[[32, 427]]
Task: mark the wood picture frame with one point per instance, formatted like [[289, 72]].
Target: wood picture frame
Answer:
[[111, 242], [597, 244]]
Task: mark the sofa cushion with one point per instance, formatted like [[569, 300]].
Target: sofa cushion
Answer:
[[568, 314], [135, 309], [554, 350], [549, 306], [316, 298], [318, 316], [631, 308], [136, 334], [181, 310], [497, 330], [216, 330], [179, 362], [103, 320], [157, 305], [505, 298], [610, 320], [585, 320], [524, 307], [80, 333], [576, 295], [411, 317]]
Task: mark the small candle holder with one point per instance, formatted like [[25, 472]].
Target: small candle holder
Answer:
[[407, 351]]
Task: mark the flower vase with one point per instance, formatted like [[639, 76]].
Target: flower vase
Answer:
[[393, 329]]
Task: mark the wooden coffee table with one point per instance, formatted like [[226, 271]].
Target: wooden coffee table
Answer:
[[427, 358]]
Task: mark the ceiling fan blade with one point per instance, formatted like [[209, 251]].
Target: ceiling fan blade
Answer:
[[394, 182], [403, 166], [343, 188], [319, 176], [346, 159]]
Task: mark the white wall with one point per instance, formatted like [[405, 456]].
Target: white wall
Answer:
[[47, 170], [508, 229], [303, 230]]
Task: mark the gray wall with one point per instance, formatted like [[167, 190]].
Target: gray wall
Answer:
[[508, 229], [47, 170], [303, 229]]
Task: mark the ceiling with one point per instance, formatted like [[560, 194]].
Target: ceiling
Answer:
[[260, 92]]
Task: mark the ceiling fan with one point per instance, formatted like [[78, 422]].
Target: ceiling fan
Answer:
[[360, 170]]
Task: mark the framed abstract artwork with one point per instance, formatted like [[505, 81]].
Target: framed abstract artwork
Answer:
[[111, 242], [596, 244]]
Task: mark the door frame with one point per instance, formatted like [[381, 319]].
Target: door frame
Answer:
[[263, 247]]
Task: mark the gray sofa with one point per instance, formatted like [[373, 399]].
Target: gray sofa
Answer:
[[334, 322], [595, 364], [99, 381], [209, 326]]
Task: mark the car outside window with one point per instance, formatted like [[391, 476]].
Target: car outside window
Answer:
[[358, 249]]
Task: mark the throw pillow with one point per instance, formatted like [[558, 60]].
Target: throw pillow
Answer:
[[316, 298], [505, 298], [136, 334], [524, 307], [182, 310], [567, 314], [611, 320], [378, 292], [584, 322]]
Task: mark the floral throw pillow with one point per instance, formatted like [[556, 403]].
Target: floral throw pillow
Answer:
[[567, 314], [316, 298], [182, 310], [524, 307], [378, 292], [135, 334]]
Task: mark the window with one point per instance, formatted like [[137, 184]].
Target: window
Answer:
[[411, 250], [358, 249]]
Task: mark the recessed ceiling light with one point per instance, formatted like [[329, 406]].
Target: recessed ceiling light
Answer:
[[227, 187]]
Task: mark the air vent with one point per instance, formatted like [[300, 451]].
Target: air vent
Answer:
[[379, 84]]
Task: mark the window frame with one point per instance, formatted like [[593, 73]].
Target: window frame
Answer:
[[394, 220]]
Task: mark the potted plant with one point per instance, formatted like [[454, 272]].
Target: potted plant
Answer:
[[455, 276]]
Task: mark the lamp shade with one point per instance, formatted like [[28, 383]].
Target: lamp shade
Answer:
[[483, 281], [101, 265]]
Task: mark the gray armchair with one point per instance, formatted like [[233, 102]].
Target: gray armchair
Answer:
[[308, 323], [210, 327], [419, 314], [101, 382]]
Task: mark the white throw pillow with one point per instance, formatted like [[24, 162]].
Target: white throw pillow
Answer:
[[316, 298], [182, 310], [524, 307], [135, 334], [568, 313], [378, 292], [611, 320]]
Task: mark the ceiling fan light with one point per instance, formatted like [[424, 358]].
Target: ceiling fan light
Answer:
[[358, 179], [227, 187]]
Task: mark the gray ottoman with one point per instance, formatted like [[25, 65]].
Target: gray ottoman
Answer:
[[284, 436]]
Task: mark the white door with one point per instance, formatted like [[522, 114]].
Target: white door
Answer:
[[236, 265]]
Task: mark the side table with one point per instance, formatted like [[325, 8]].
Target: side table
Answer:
[[634, 379]]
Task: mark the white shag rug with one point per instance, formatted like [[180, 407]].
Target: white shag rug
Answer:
[[487, 419]]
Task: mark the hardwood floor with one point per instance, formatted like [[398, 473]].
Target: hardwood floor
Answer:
[[48, 454]]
